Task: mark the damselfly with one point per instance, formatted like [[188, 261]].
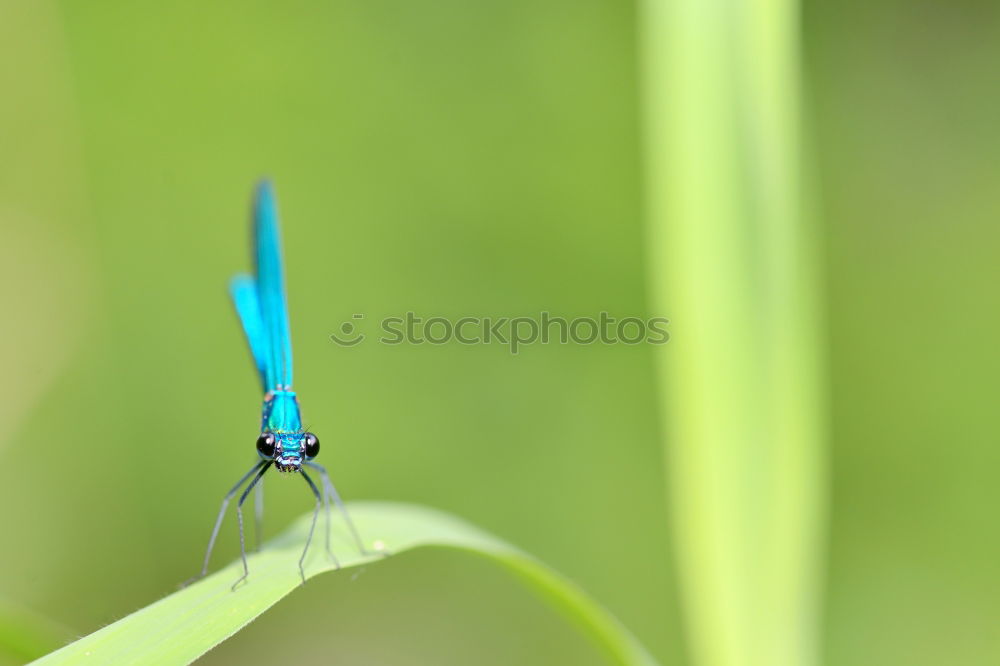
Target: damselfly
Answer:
[[283, 443]]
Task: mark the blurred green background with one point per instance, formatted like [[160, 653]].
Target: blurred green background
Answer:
[[474, 159]]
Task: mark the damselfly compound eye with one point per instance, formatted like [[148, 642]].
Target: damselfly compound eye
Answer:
[[312, 445], [265, 444]]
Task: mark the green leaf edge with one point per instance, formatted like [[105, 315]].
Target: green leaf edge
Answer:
[[188, 623]]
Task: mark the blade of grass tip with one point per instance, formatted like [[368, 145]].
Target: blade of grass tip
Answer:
[[733, 263], [183, 626]]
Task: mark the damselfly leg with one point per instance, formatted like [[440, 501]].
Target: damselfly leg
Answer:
[[331, 492], [239, 517], [258, 516], [222, 514], [312, 526]]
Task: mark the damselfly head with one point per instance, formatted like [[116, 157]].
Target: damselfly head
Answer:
[[288, 450]]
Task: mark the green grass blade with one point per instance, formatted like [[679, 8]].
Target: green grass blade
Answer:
[[185, 625], [734, 267]]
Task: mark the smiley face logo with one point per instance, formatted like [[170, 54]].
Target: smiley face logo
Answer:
[[349, 334]]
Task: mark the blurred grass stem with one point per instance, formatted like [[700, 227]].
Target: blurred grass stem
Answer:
[[733, 264]]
